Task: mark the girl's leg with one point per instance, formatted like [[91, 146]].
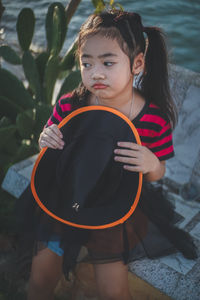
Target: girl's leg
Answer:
[[112, 281], [46, 271]]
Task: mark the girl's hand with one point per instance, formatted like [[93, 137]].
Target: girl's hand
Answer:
[[140, 158], [51, 137]]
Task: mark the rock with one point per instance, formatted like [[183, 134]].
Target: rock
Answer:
[[18, 176], [186, 139], [183, 171], [180, 80]]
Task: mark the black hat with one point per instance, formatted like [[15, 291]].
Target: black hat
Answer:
[[82, 185]]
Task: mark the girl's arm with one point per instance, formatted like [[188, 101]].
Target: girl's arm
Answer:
[[157, 174], [137, 158], [51, 137]]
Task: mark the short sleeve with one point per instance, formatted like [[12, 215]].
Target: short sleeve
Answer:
[[61, 109], [162, 144]]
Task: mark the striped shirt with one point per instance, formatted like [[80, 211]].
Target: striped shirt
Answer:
[[154, 130]]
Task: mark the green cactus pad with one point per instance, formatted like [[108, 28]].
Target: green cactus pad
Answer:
[[25, 151], [41, 61], [69, 59], [6, 133], [32, 75], [12, 145], [10, 55], [4, 122], [25, 123], [43, 111], [56, 28], [8, 108], [70, 83], [25, 27], [50, 77], [13, 89]]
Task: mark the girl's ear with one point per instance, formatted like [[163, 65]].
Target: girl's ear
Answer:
[[138, 64]]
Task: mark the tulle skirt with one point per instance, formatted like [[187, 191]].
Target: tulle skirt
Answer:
[[149, 232]]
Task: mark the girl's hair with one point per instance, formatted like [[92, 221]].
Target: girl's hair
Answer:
[[128, 30]]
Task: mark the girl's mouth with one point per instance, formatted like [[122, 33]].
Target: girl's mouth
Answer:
[[99, 86]]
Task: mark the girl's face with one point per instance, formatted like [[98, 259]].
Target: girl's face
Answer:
[[105, 68]]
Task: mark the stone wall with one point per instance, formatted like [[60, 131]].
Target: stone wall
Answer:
[[184, 169]]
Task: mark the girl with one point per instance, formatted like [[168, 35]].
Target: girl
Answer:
[[113, 52]]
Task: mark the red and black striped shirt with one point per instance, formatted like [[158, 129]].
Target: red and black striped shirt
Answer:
[[154, 129]]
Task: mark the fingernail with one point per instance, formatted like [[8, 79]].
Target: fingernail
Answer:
[[115, 151], [118, 143]]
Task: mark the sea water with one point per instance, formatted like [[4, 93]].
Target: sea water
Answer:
[[180, 19]]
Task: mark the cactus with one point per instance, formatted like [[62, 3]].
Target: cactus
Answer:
[[25, 151], [13, 89], [6, 133], [56, 28], [25, 28], [70, 83], [4, 121], [25, 123], [11, 146], [41, 61], [9, 108], [43, 111], [69, 59], [25, 110], [10, 55], [32, 75], [50, 77]]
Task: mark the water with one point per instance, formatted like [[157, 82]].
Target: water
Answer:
[[180, 19]]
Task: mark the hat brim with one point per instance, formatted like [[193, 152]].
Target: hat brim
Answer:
[[125, 200]]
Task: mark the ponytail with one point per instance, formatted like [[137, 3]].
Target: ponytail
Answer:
[[154, 83], [128, 30]]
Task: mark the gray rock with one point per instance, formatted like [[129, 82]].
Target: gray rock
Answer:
[[173, 275], [180, 80], [184, 168], [186, 138], [18, 177]]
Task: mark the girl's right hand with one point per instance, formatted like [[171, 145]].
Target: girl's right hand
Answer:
[[51, 137]]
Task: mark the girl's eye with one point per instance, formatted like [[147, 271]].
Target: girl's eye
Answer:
[[108, 63], [86, 65]]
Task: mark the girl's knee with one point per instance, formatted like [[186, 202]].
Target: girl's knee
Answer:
[[41, 280], [114, 293], [112, 281], [46, 270]]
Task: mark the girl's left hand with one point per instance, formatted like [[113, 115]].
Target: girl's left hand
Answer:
[[140, 157]]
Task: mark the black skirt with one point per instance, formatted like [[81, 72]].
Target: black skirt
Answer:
[[149, 232]]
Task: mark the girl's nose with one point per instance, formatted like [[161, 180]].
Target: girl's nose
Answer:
[[97, 74]]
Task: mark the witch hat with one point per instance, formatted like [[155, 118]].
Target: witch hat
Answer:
[[82, 185]]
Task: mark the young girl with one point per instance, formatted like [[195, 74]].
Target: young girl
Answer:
[[114, 49]]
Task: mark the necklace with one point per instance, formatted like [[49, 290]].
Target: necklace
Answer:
[[131, 106]]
